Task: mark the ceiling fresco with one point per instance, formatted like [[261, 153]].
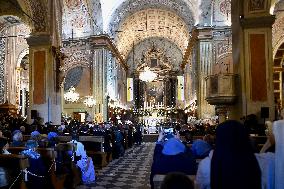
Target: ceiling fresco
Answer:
[[151, 23]]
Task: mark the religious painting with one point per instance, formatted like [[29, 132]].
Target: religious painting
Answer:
[[256, 5], [155, 92], [221, 10], [154, 62]]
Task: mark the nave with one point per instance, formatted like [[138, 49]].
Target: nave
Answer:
[[130, 171]]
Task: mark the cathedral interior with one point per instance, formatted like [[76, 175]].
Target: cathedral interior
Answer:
[[206, 59], [142, 61]]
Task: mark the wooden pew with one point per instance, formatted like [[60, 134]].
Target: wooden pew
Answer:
[[48, 156], [11, 166], [94, 145], [158, 179], [64, 138]]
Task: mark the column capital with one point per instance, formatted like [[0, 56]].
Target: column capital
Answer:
[[258, 22], [39, 40], [204, 32]]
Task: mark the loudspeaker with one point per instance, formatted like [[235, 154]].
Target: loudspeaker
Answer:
[[33, 114], [264, 112]]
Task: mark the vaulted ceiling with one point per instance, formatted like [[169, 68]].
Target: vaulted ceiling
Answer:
[[148, 24]]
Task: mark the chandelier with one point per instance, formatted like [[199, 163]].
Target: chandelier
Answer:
[[71, 95], [89, 101], [147, 75]]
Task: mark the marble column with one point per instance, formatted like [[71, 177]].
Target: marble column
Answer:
[[100, 81], [43, 95], [204, 68]]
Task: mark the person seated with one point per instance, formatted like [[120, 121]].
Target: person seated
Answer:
[[201, 148], [4, 145], [52, 139], [177, 180], [35, 135], [37, 173], [187, 138], [269, 145], [233, 164], [23, 129], [85, 163], [171, 155], [17, 137], [266, 159]]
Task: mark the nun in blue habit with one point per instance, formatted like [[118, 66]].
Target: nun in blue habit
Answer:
[[172, 156]]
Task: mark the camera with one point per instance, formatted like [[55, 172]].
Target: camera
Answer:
[[169, 131]]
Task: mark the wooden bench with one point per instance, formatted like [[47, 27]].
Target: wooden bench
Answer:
[[11, 166], [94, 146], [158, 179]]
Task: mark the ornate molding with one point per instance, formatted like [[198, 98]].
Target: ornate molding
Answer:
[[258, 22], [39, 40], [127, 8], [104, 41]]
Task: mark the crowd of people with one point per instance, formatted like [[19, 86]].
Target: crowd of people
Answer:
[[227, 161], [219, 160], [116, 139]]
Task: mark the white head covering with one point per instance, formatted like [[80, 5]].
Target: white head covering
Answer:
[[278, 131], [267, 144]]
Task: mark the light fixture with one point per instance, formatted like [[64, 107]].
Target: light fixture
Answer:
[[71, 95], [147, 75], [89, 101]]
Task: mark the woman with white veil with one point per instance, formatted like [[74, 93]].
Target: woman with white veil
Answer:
[[278, 131]]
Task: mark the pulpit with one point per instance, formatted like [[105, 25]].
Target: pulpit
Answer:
[[221, 92]]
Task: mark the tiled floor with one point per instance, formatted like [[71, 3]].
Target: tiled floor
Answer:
[[130, 171]]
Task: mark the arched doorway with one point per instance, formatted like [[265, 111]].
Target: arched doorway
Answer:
[[12, 62]]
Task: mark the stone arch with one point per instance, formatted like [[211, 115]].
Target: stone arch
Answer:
[[127, 8], [152, 23], [277, 32], [36, 13]]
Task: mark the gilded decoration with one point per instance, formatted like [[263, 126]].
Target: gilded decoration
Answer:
[[172, 52], [77, 53], [152, 23], [79, 19], [39, 15], [256, 5], [185, 10]]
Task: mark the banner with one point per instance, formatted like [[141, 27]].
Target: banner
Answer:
[[129, 89], [180, 88]]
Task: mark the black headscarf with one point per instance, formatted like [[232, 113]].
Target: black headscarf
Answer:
[[234, 165]]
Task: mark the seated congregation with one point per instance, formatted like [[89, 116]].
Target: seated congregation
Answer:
[[227, 160], [50, 157], [231, 162]]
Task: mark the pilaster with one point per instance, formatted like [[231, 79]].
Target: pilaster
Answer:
[[252, 50], [43, 94], [205, 58]]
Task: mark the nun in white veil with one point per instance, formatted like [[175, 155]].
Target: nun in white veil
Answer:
[[278, 131]]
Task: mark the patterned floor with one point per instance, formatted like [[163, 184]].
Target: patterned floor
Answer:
[[130, 171]]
